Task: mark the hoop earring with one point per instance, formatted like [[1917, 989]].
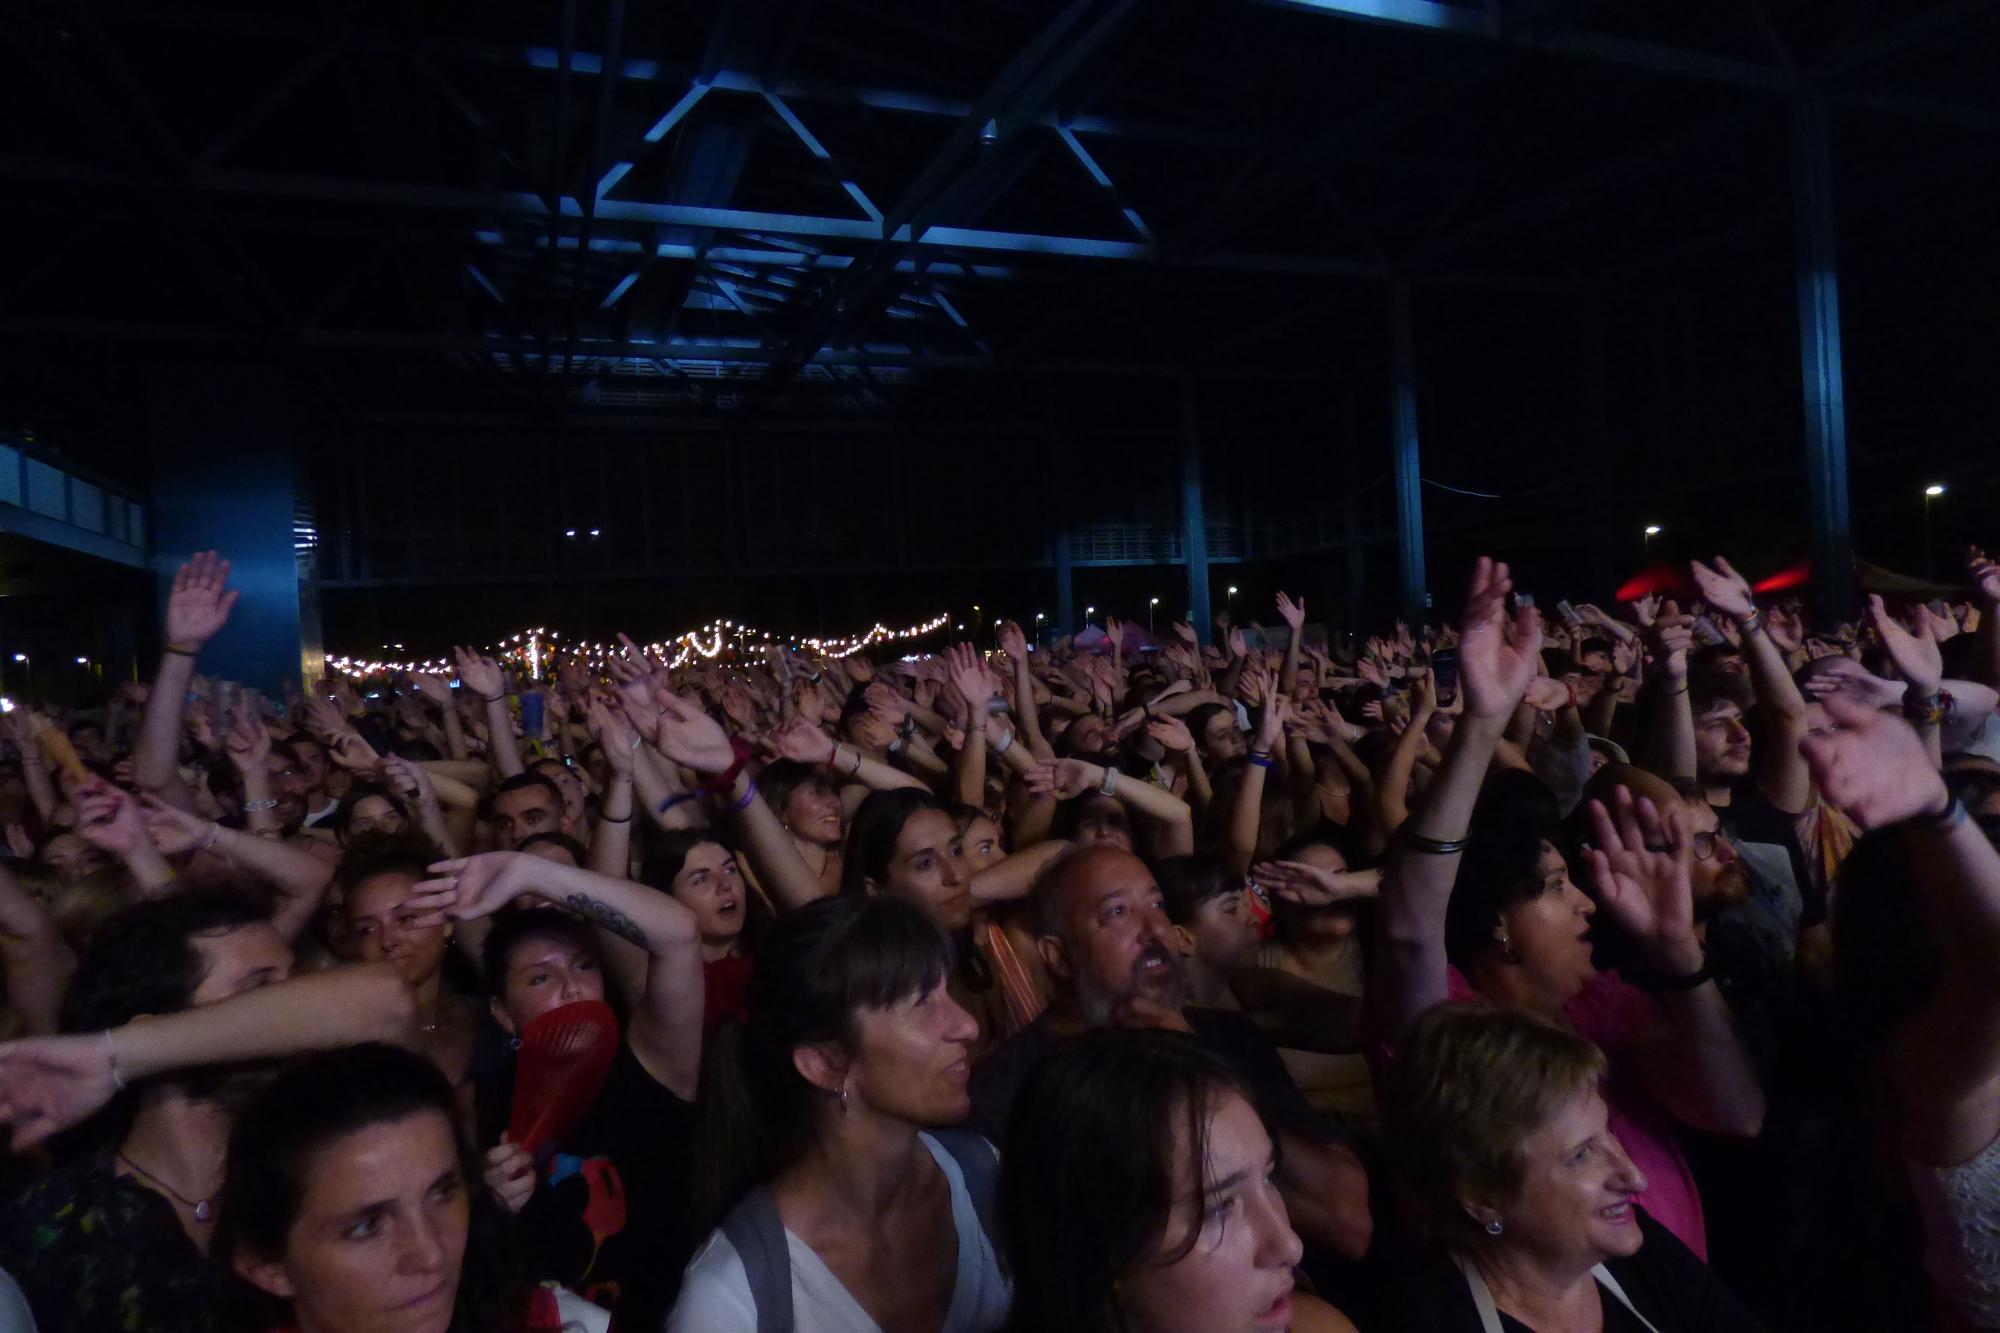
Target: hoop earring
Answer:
[[1495, 1227]]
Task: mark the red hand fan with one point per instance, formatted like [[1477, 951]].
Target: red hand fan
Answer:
[[564, 1057]]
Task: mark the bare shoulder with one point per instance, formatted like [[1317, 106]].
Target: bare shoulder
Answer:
[[1310, 1314]]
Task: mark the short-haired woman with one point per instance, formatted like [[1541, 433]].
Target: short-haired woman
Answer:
[[1500, 1131]]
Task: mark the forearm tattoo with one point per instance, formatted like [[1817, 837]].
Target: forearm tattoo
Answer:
[[606, 916]]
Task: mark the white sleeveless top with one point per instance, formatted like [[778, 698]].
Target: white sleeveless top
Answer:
[[715, 1297], [1961, 1212]]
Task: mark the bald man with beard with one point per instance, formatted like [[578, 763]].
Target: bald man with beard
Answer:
[[1101, 928]]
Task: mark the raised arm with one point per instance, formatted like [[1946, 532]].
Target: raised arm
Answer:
[[1669, 748], [977, 687], [611, 842], [436, 691], [1781, 773], [1015, 644], [1392, 792], [1921, 667], [109, 819], [1697, 1067], [666, 1023], [1294, 615], [1067, 779], [482, 676], [197, 608], [1496, 660], [1946, 1060], [299, 878], [19, 727], [48, 1084], [693, 739]]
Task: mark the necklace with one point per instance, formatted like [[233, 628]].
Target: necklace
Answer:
[[203, 1209]]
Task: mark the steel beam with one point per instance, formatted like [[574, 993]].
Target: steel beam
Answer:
[[1407, 464], [1194, 521], [1819, 359], [1484, 25]]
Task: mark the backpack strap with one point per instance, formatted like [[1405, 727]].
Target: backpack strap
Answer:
[[980, 1165], [758, 1234]]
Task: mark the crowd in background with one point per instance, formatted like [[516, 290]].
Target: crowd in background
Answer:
[[1625, 970]]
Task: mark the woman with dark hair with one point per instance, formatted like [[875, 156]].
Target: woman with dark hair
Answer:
[[600, 1212], [861, 1213], [699, 869], [1477, 902], [806, 799], [351, 1203], [1138, 1196], [378, 874], [368, 809]]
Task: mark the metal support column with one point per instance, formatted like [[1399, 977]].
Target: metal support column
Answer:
[[1194, 522], [1601, 464], [1819, 359], [1065, 587], [1408, 468]]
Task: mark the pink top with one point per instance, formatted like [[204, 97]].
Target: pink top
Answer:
[[1616, 1017]]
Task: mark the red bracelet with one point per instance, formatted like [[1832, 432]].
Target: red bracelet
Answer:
[[727, 778]]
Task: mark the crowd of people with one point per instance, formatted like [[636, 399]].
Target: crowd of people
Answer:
[[1627, 970]]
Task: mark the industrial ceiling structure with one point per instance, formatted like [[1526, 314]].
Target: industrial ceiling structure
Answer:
[[716, 215]]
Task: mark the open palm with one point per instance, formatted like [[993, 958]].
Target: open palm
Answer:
[[1495, 667]]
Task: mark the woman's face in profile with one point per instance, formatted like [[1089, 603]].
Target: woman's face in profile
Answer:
[[1224, 1262]]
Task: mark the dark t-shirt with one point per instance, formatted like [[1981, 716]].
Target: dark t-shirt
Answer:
[[1664, 1282], [606, 1219], [1750, 817], [1230, 1035], [96, 1252]]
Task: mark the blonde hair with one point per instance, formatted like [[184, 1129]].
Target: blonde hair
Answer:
[[1470, 1084]]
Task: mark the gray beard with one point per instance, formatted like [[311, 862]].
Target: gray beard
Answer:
[[1097, 1004]]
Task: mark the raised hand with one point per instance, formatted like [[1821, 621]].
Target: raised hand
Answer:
[[615, 738], [1724, 589], [1844, 675], [1064, 779], [248, 742], [1546, 694], [690, 737], [1873, 766], [1645, 608], [1494, 667], [110, 819], [1642, 864], [200, 602], [1239, 647], [1013, 642], [48, 1084], [471, 887], [1185, 633], [1310, 886], [1985, 574], [1943, 625], [479, 674], [1291, 612], [1785, 628], [800, 740], [1271, 723], [969, 676], [175, 831], [411, 781], [1915, 656], [1171, 733]]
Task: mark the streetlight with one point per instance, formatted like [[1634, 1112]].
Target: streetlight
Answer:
[[1038, 629], [1149, 614], [1931, 492], [1652, 530]]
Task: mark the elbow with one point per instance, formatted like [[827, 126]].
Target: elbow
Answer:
[[384, 1008]]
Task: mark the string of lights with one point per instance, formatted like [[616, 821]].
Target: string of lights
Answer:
[[539, 649]]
